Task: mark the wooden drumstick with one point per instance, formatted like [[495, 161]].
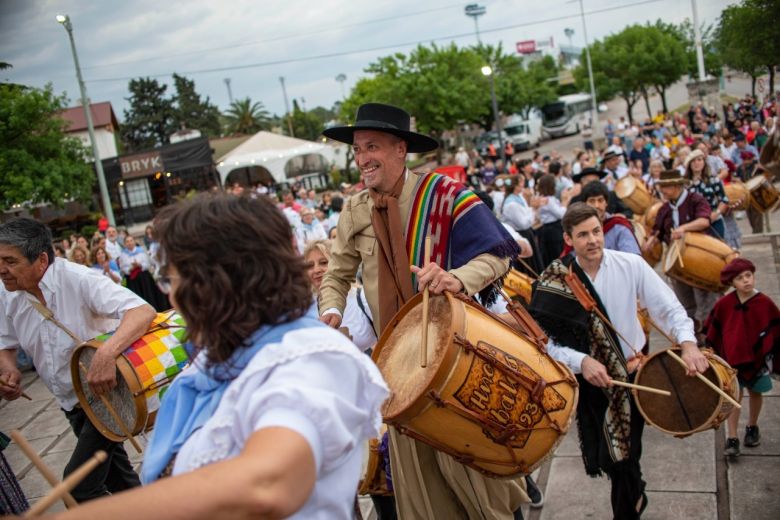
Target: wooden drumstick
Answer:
[[424, 345], [706, 381], [117, 418], [6, 385], [527, 266], [66, 485], [642, 388], [41, 466]]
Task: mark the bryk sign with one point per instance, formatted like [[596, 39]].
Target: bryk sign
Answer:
[[140, 165]]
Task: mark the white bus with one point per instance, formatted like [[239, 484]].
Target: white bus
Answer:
[[566, 116]]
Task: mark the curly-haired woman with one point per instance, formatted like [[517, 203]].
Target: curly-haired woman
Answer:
[[270, 418]]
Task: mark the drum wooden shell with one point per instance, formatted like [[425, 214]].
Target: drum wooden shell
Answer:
[[703, 258], [738, 194], [648, 219], [144, 371], [634, 194], [763, 195], [488, 397], [519, 286], [693, 406], [653, 256]]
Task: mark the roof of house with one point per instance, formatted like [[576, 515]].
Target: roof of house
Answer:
[[102, 116]]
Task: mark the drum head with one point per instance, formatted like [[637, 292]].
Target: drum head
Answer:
[[692, 404], [671, 255], [121, 398], [398, 351]]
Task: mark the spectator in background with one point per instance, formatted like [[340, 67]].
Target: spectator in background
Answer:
[[104, 265], [136, 266], [640, 153], [102, 224], [742, 146], [79, 255], [309, 230], [113, 246]]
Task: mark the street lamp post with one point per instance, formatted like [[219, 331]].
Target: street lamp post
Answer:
[[594, 104], [475, 11], [341, 78], [107, 209]]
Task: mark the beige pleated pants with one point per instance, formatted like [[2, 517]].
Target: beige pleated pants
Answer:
[[430, 485]]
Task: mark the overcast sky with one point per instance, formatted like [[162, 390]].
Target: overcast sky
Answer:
[[256, 42]]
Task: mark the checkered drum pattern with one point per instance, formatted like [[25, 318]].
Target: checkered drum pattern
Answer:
[[158, 356]]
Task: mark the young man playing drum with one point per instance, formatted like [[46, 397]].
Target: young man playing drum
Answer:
[[578, 301], [87, 305], [384, 228], [684, 211]]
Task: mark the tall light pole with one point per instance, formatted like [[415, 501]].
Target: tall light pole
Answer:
[[475, 11], [594, 104], [230, 91], [107, 209], [697, 38], [287, 107]]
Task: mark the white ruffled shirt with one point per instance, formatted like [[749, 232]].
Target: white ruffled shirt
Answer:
[[316, 383]]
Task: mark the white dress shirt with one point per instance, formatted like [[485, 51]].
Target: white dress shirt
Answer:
[[113, 249], [622, 279], [316, 383], [551, 212], [84, 301], [357, 321]]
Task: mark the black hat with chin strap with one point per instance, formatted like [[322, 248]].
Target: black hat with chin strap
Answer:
[[383, 118]]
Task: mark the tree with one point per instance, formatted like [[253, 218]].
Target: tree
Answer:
[[192, 112], [151, 118], [39, 163], [306, 125], [667, 61], [748, 41], [685, 34], [245, 117], [632, 62]]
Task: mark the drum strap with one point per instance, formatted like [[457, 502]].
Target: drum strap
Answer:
[[49, 316], [363, 307]]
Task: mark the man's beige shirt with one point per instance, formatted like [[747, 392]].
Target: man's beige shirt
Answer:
[[356, 243]]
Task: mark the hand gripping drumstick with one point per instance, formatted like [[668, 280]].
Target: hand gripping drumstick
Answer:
[[66, 485], [641, 387], [41, 466], [706, 381], [701, 378], [121, 422], [6, 385], [424, 344]]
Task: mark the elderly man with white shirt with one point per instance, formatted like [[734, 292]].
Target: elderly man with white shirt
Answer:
[[610, 425], [86, 304]]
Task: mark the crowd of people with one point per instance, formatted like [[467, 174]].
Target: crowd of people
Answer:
[[273, 413]]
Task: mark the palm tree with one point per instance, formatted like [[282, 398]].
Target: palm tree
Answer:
[[245, 117]]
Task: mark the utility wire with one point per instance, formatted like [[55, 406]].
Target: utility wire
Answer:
[[373, 49]]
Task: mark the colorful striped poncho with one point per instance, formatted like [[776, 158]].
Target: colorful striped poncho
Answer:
[[460, 225]]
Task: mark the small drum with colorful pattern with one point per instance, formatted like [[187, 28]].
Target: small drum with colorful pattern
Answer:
[[144, 372]]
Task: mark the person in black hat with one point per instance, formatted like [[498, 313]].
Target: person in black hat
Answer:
[[384, 229]]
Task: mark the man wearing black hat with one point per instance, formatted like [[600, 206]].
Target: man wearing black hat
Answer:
[[384, 228], [590, 174]]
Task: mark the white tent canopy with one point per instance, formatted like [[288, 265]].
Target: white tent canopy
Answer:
[[283, 157]]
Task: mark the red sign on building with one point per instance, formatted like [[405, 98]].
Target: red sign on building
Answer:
[[526, 47]]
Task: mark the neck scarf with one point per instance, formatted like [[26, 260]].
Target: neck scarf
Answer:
[[395, 277], [676, 207], [195, 394]]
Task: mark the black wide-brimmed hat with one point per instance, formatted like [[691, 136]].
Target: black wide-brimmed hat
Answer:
[[577, 177], [383, 118]]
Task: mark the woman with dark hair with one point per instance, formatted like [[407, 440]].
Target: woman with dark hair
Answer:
[[516, 212], [703, 182], [102, 263], [271, 417], [550, 211]]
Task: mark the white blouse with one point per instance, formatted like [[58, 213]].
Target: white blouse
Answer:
[[316, 383]]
